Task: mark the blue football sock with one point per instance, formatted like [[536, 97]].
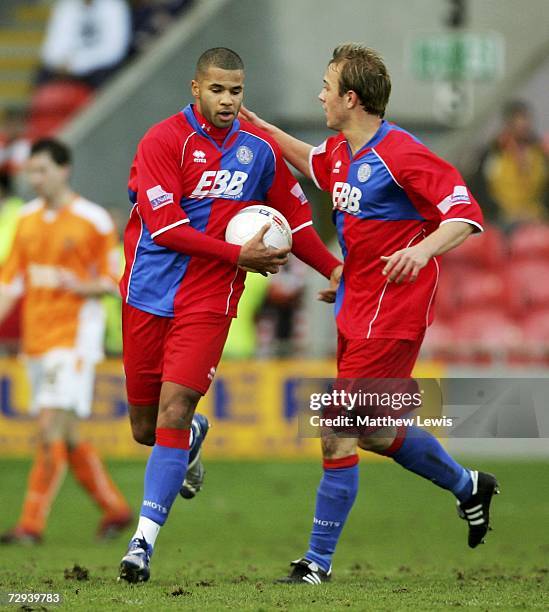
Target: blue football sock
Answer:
[[166, 469], [423, 454], [334, 500]]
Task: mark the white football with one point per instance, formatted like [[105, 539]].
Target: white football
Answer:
[[246, 223]]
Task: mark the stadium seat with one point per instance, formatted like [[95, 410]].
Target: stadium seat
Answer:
[[439, 342], [484, 335], [486, 250], [480, 288], [53, 104], [535, 335], [530, 242], [528, 283], [445, 300], [464, 288]]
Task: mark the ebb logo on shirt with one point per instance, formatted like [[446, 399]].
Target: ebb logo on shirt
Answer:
[[220, 184], [346, 197]]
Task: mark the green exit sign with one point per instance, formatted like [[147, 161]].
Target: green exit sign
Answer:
[[458, 56]]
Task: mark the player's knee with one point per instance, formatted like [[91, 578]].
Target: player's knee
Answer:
[[51, 425], [336, 448], [177, 410], [379, 441]]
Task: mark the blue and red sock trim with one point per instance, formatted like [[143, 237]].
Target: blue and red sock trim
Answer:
[[396, 443], [173, 438], [341, 463]]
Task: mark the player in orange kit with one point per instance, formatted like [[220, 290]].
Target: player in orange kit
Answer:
[[63, 259]]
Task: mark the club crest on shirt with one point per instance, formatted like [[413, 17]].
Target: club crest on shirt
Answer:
[[244, 154], [363, 173]]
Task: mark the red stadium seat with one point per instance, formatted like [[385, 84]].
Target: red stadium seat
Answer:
[[53, 104], [528, 283], [439, 342], [486, 250], [445, 301], [480, 288], [485, 334], [535, 334], [465, 288], [530, 242]]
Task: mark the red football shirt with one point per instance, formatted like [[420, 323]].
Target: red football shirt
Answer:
[[391, 194], [182, 175]]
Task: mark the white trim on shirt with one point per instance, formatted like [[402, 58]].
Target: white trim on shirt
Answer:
[[300, 227], [169, 227], [386, 167], [372, 320], [462, 219], [311, 153]]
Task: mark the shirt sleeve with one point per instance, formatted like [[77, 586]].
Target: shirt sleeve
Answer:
[[436, 188], [286, 195], [12, 272], [156, 177], [308, 246], [320, 162]]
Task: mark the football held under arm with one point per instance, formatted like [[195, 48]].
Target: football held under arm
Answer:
[[287, 196]]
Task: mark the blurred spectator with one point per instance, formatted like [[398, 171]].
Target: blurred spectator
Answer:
[[280, 319], [513, 173], [10, 205], [112, 303], [242, 339], [14, 146], [86, 40], [9, 214], [151, 18]]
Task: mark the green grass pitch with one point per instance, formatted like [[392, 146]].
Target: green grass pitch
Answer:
[[403, 547]]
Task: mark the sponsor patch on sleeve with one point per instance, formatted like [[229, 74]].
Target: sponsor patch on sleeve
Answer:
[[458, 196], [158, 197], [297, 192]]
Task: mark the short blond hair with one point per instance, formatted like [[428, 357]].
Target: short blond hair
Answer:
[[363, 71]]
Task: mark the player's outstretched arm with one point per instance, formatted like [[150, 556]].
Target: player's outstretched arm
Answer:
[[294, 150], [405, 264], [92, 288]]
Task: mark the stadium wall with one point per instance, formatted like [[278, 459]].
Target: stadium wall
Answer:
[[285, 45], [252, 405]]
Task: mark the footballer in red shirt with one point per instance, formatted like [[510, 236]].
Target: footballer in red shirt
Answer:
[[397, 206], [191, 174]]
